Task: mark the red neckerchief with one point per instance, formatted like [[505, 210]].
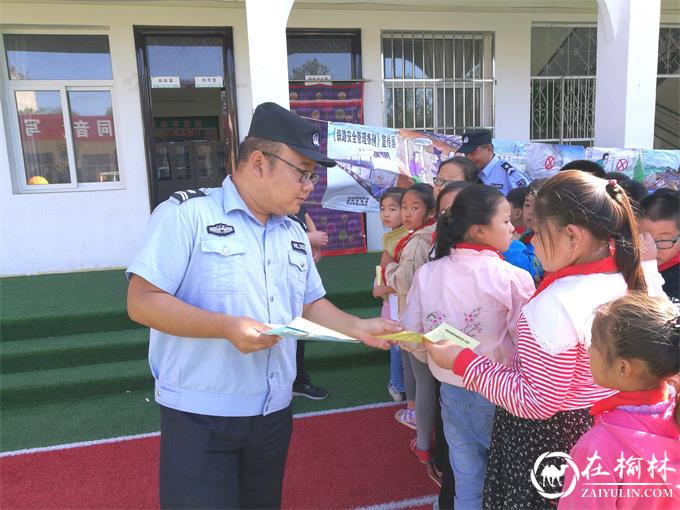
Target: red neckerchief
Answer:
[[520, 230], [606, 265], [404, 240], [670, 263], [527, 237], [478, 247], [631, 398]]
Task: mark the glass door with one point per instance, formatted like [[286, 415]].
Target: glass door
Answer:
[[187, 84]]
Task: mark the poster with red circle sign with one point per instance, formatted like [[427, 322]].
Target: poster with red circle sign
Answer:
[[549, 162]]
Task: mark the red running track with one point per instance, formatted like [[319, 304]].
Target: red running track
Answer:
[[340, 460]]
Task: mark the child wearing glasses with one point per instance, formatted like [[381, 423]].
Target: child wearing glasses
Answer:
[[662, 221]]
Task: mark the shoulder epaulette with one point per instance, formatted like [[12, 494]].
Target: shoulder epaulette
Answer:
[[183, 196], [506, 166]]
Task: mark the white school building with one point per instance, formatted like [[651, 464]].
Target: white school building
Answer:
[[109, 106]]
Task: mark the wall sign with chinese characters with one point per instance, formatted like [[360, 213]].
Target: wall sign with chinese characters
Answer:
[[178, 129], [208, 82], [51, 127], [165, 82]]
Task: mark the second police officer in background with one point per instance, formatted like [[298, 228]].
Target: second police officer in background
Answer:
[[493, 171]]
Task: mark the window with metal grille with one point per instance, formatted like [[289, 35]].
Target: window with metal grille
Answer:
[[563, 67], [667, 114], [438, 81]]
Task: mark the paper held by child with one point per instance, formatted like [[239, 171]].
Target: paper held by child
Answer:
[[447, 332], [302, 329], [378, 276]]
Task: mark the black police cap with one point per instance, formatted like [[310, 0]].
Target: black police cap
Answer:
[[474, 138], [275, 123]]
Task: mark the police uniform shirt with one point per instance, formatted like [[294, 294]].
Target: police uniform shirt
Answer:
[[502, 175], [211, 252]]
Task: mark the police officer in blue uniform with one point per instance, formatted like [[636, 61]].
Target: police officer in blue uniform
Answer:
[[493, 171], [216, 266]]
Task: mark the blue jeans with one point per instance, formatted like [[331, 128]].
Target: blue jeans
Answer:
[[396, 369], [468, 423]]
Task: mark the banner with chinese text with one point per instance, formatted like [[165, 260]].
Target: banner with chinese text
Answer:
[[371, 159]]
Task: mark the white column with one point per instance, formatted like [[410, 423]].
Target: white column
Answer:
[[266, 23], [627, 53]]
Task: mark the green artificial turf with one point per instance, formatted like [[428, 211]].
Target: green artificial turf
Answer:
[[73, 366], [356, 382], [73, 350], [62, 304], [74, 303]]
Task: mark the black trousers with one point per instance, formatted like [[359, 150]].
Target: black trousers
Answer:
[[301, 377], [218, 462], [441, 460]]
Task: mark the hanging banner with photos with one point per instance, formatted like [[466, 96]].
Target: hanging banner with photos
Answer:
[[372, 159]]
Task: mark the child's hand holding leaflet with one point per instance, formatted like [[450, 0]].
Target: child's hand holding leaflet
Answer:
[[442, 332], [447, 332]]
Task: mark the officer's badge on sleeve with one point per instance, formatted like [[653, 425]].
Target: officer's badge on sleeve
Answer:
[[297, 246], [220, 229]]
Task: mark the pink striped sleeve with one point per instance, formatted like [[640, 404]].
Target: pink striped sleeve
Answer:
[[535, 385]]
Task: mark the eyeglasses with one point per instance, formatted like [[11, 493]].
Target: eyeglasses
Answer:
[[438, 181], [666, 244], [305, 175]]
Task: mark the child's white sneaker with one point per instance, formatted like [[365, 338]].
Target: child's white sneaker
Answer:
[[406, 417], [396, 395]]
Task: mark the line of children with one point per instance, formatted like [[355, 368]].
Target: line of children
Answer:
[[390, 215], [587, 238], [585, 231], [471, 287], [635, 439], [417, 215]]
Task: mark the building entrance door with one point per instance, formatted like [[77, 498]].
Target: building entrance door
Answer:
[[187, 89]]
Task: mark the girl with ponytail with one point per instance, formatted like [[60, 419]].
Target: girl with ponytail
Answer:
[[587, 240], [472, 288], [635, 350]]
